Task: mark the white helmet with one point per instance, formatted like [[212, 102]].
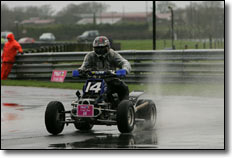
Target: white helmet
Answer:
[[101, 46], [101, 41]]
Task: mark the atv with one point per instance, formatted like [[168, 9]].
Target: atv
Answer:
[[92, 107]]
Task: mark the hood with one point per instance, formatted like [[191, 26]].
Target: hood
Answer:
[[10, 37]]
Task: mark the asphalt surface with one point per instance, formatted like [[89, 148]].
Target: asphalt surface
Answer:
[[184, 122]]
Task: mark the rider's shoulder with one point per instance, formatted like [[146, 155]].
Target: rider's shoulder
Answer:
[[91, 54], [112, 52]]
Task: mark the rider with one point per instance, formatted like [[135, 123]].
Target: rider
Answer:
[[104, 58]]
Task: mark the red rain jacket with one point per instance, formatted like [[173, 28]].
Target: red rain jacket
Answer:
[[10, 49]]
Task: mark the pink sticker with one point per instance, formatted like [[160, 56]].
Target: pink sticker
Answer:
[[58, 75], [85, 110]]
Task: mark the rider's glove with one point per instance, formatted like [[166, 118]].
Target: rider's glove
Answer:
[[121, 72], [75, 73], [80, 73]]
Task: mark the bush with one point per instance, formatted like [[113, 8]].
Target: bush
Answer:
[[70, 32]]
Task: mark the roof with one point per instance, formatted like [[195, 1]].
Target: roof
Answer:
[[99, 21], [124, 15], [166, 16], [114, 17], [38, 21]]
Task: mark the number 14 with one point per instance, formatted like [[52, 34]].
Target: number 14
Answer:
[[96, 87]]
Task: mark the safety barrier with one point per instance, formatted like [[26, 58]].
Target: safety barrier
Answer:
[[167, 66], [42, 47]]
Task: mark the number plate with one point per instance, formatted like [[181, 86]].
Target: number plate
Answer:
[[85, 110], [93, 87]]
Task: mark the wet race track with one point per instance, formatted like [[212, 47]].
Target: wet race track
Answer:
[[184, 122]]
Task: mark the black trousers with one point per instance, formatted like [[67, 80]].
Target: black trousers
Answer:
[[118, 86]]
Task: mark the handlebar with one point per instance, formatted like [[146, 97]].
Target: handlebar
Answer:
[[99, 74]]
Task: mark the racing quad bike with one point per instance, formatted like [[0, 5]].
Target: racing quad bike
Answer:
[[92, 107]]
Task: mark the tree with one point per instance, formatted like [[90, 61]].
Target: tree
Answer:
[[20, 13], [162, 6], [93, 7], [212, 18], [205, 19], [212, 4], [46, 11], [68, 14], [72, 13], [6, 17]]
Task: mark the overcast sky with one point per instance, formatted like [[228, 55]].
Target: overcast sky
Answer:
[[118, 6]]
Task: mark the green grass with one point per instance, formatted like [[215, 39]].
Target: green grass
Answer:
[[209, 90], [135, 44], [160, 44], [32, 83]]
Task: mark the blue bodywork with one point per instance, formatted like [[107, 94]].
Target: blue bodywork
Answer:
[[97, 85], [118, 73], [93, 81]]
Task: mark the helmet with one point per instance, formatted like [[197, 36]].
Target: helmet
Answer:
[[101, 46], [101, 41]]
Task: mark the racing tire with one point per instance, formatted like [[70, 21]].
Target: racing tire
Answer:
[[54, 116], [149, 113], [125, 116], [83, 126]]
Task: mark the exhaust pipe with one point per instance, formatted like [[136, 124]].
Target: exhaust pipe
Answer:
[[141, 106]]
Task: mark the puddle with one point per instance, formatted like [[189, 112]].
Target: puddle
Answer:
[[144, 139], [10, 117], [11, 104], [21, 107]]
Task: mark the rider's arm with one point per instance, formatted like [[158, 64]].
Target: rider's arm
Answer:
[[121, 62]]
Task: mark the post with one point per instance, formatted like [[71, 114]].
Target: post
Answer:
[[172, 24], [17, 30], [154, 25], [94, 18], [210, 42]]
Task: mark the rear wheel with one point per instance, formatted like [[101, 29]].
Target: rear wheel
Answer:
[[125, 116], [148, 113], [54, 116]]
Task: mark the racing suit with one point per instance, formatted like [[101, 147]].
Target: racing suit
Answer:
[[110, 61], [8, 56]]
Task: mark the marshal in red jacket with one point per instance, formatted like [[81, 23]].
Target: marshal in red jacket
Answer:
[[10, 49]]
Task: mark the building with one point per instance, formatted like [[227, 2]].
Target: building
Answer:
[[37, 20], [114, 17]]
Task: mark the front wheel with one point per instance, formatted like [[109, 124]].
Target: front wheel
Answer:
[[54, 115], [125, 116]]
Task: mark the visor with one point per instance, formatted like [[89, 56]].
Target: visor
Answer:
[[100, 50]]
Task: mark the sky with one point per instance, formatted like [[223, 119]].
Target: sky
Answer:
[[117, 6]]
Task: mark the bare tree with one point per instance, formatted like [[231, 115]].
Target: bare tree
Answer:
[[6, 17], [162, 6], [46, 11], [72, 13], [205, 19]]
